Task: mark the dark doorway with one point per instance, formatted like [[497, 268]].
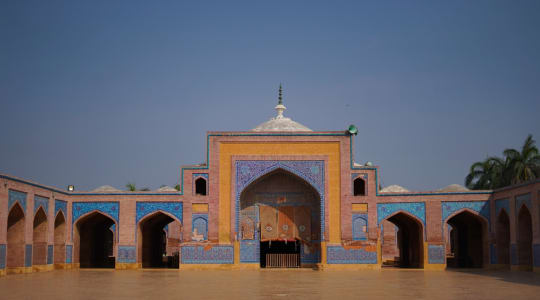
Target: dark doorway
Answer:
[[503, 239], [39, 237], [15, 237], [60, 239], [153, 242], [200, 186], [467, 241], [280, 254], [524, 239], [409, 240], [359, 187], [96, 241]]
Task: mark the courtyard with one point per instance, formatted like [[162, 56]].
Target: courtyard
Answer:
[[271, 284]]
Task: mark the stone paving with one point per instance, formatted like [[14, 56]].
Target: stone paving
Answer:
[[271, 284]]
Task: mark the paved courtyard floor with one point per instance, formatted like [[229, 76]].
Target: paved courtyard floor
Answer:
[[271, 284]]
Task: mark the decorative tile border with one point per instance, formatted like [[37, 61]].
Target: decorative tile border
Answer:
[[110, 209], [60, 205], [513, 255], [340, 255], [502, 204], [536, 255], [28, 255], [69, 254], [126, 254], [16, 196], [417, 209], [40, 201], [2, 256], [214, 255], [436, 254], [450, 207], [50, 253], [172, 207], [248, 171], [200, 222], [524, 199], [359, 223]]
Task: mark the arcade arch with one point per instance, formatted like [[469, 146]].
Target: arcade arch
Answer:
[[94, 241], [503, 238], [60, 238], [468, 239], [39, 237], [524, 238], [410, 240], [158, 238], [15, 237]]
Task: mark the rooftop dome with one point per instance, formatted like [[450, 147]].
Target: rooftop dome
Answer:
[[166, 188], [279, 122], [454, 188], [105, 189], [394, 189]]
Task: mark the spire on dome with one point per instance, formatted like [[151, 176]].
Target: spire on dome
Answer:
[[280, 108], [280, 95]]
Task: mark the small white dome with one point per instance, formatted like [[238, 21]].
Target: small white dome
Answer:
[[454, 188], [105, 189], [394, 189], [166, 188]]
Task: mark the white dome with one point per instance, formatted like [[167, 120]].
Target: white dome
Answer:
[[454, 188], [105, 189], [394, 189]]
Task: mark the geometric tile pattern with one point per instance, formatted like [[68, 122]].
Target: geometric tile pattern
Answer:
[[450, 207], [50, 252], [340, 255], [436, 254], [174, 208], [200, 222], [43, 202], [126, 254], [108, 208], [28, 255], [417, 209], [2, 256], [249, 251], [60, 205], [69, 254], [15, 196], [359, 227], [502, 204], [203, 255]]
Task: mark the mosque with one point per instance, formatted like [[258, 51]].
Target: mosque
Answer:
[[277, 196]]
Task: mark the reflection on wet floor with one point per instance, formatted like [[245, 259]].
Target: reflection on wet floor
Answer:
[[271, 284]]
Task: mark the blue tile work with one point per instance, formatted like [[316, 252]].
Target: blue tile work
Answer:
[[359, 224], [60, 205], [28, 255], [198, 175], [436, 254], [340, 255], [50, 253], [248, 171], [69, 253], [513, 254], [146, 208], [450, 207], [108, 208], [215, 255], [41, 202], [524, 199], [2, 256], [126, 254], [502, 204], [417, 209], [249, 251], [200, 222], [15, 196], [492, 254], [313, 257], [536, 255]]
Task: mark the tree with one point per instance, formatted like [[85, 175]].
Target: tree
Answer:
[[131, 187], [525, 164]]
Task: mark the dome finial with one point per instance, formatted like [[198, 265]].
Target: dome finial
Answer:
[[280, 107], [280, 95]]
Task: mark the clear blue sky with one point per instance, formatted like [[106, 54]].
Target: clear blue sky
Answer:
[[110, 92]]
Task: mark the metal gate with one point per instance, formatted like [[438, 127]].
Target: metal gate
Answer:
[[279, 260]]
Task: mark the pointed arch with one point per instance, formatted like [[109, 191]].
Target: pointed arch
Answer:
[[469, 238], [410, 238], [39, 237], [15, 237], [93, 241], [60, 230], [524, 238], [502, 234], [153, 244]]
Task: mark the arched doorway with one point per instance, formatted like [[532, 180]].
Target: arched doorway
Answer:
[[503, 238], [39, 236], [60, 238], [410, 241], [468, 239], [94, 241], [15, 237], [280, 223], [524, 238], [158, 241]]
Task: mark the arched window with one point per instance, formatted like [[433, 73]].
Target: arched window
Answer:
[[200, 186], [359, 187]]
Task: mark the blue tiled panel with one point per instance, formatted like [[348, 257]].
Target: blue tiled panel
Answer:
[[50, 253], [215, 255], [126, 254], [109, 208], [359, 222], [69, 254], [450, 207], [513, 254], [536, 255], [41, 202], [524, 199], [493, 254], [146, 208], [2, 256], [15, 196], [249, 251], [28, 255], [436, 254], [248, 171], [417, 209], [200, 222], [502, 204], [340, 255], [60, 205]]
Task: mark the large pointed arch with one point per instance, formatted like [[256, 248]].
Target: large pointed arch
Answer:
[[94, 245], [153, 242], [410, 238], [15, 237], [502, 235], [60, 232], [39, 237], [524, 238]]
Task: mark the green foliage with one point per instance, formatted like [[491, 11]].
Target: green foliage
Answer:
[[131, 187], [177, 187], [515, 167]]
